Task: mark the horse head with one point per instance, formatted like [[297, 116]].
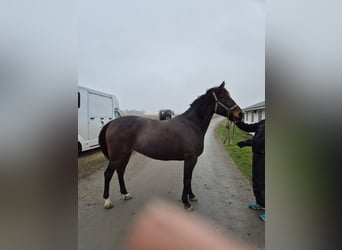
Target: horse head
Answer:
[[224, 103]]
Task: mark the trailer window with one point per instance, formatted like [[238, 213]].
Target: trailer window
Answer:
[[79, 100], [116, 114]]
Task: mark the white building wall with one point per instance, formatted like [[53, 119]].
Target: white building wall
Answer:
[[253, 116]]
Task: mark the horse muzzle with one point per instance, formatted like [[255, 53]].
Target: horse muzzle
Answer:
[[236, 114]]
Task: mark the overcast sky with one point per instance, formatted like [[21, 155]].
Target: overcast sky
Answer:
[[156, 54]]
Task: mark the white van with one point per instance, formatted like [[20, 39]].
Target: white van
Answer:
[[95, 109]]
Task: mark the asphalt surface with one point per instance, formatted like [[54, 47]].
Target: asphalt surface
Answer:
[[223, 197]]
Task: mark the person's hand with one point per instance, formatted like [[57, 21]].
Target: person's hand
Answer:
[[241, 144]]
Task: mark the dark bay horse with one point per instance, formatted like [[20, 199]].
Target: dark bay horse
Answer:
[[181, 138]]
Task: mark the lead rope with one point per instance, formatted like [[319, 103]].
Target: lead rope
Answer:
[[228, 136]]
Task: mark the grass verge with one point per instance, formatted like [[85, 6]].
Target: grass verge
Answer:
[[241, 156], [90, 161]]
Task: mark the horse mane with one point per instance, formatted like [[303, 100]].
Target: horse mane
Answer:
[[198, 101], [197, 104]]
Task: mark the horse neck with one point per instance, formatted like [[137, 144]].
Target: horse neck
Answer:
[[201, 112]]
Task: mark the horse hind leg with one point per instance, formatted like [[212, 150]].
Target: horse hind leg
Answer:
[[108, 174], [121, 171]]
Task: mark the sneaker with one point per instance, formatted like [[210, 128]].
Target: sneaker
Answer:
[[262, 217], [256, 206]]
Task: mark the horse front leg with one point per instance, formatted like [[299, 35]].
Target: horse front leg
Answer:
[[108, 174], [192, 196], [189, 164]]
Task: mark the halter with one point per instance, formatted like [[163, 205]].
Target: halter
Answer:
[[228, 135], [217, 101]]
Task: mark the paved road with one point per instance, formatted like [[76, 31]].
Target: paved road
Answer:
[[222, 191]]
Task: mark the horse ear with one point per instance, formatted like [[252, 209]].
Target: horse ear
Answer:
[[222, 84]]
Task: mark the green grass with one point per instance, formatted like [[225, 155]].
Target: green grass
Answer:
[[241, 156]]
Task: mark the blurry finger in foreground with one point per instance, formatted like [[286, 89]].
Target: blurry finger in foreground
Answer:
[[163, 226]]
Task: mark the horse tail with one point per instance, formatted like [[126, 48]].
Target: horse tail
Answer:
[[102, 140]]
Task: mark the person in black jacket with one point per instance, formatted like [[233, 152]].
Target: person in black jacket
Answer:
[[258, 164]]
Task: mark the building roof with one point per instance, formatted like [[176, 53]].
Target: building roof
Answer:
[[259, 105]]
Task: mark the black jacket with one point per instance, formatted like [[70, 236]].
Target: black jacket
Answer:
[[258, 141]]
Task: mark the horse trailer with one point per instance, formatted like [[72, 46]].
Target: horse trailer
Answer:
[[95, 109]]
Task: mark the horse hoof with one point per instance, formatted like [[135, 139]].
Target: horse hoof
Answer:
[[188, 208], [193, 198], [127, 196], [108, 204]]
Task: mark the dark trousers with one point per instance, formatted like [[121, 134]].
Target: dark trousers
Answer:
[[258, 172]]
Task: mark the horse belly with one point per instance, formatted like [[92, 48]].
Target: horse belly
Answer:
[[160, 149]]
